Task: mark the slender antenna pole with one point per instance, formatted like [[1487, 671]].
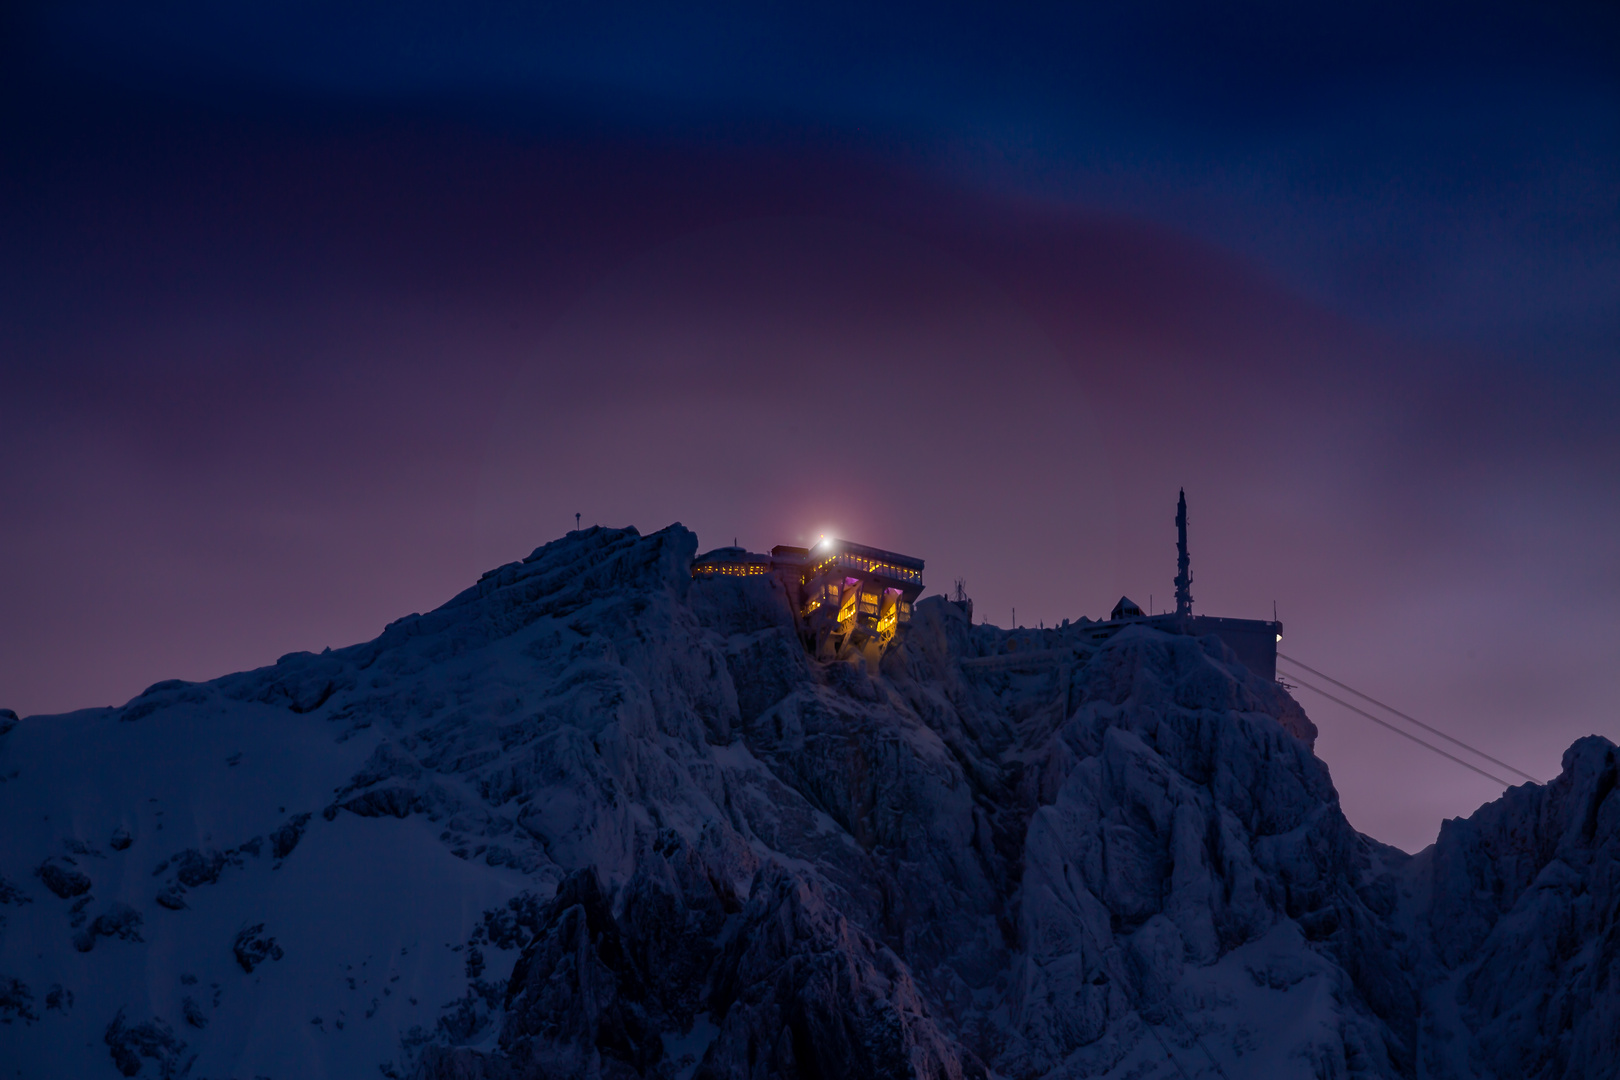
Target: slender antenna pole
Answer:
[[1183, 563]]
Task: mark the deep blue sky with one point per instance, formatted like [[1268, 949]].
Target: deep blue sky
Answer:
[[310, 313]]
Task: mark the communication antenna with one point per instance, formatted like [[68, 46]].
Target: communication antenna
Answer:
[[1183, 564]]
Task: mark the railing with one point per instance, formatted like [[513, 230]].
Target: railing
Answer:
[[864, 565]]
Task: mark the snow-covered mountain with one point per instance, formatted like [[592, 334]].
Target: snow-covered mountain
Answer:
[[592, 818]]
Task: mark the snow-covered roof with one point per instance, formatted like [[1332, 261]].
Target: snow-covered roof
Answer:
[[1126, 609]]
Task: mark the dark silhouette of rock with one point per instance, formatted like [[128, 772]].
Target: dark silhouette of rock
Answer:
[[151, 1039], [16, 1001], [193, 868], [1526, 901], [795, 990], [64, 881], [253, 947], [384, 802], [11, 894], [119, 920], [286, 837]]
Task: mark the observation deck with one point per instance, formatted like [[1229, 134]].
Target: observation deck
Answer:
[[857, 595]]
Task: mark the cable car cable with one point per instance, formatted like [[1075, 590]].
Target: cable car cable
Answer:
[[1410, 719], [1405, 734]]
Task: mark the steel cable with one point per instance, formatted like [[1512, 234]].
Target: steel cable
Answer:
[[1410, 719], [1404, 734]]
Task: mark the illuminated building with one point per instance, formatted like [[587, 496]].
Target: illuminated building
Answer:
[[731, 562], [845, 594], [856, 595]]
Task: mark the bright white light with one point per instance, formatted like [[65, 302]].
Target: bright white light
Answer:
[[1279, 637]]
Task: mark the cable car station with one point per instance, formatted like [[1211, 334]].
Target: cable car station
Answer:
[[851, 597]]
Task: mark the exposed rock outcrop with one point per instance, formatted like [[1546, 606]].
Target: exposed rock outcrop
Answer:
[[635, 831]]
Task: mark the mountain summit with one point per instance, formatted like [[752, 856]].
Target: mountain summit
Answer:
[[593, 818]]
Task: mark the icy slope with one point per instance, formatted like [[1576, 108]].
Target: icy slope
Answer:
[[594, 819], [1524, 922]]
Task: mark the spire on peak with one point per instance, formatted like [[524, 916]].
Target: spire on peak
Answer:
[[1183, 562]]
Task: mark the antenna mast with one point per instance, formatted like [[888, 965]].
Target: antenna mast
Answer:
[[1183, 563]]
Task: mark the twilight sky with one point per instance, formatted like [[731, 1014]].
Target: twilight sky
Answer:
[[310, 313]]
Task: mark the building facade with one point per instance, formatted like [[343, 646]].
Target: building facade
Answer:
[[731, 562], [857, 595], [846, 594]]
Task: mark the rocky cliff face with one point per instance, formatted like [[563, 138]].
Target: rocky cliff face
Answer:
[[594, 819], [1521, 928]]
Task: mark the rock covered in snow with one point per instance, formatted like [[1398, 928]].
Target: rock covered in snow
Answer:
[[1524, 920], [593, 818]]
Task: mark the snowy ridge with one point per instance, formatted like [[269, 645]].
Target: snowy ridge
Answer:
[[594, 819]]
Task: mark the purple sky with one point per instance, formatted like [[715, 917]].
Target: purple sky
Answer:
[[308, 319]]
